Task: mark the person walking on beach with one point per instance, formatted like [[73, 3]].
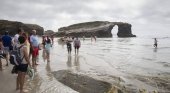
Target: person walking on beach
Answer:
[[22, 68], [77, 45], [48, 45], [155, 43], [7, 43], [35, 48], [69, 46]]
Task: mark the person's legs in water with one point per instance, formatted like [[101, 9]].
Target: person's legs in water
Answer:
[[22, 82], [48, 55], [75, 49], [68, 49], [7, 54], [34, 56], [22, 69], [18, 80]]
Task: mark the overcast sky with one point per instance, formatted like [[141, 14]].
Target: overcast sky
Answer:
[[52, 14]]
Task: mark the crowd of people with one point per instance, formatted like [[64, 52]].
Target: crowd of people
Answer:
[[27, 47]]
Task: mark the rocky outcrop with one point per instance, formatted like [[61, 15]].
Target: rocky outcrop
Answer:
[[49, 32], [84, 83], [13, 26], [96, 28]]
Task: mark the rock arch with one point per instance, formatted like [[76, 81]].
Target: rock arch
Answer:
[[97, 28]]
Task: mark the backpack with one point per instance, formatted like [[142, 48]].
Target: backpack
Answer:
[[15, 56]]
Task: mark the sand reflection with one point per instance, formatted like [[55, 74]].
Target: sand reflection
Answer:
[[73, 65]]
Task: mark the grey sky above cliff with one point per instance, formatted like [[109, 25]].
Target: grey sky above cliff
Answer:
[[52, 14]]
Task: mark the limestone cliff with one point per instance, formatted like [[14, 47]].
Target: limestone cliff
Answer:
[[13, 26], [97, 28]]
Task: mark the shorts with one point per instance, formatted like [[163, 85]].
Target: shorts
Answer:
[[22, 67], [68, 46], [76, 47], [35, 51]]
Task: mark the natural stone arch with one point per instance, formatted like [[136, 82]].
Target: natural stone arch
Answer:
[[96, 28], [114, 31]]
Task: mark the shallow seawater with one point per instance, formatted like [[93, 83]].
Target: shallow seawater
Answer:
[[106, 59]]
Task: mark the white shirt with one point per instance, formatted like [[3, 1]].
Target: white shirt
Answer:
[[16, 38]]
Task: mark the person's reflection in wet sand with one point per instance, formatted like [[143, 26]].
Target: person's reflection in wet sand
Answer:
[[44, 55], [77, 63], [155, 49], [48, 69], [35, 84], [69, 63]]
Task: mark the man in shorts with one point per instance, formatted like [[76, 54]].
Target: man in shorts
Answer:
[[7, 43], [35, 47]]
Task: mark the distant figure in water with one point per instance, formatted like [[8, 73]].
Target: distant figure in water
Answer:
[[94, 38], [69, 47], [77, 45], [155, 43]]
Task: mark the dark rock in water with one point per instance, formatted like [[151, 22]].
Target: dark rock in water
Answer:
[[13, 26], [81, 83], [96, 28]]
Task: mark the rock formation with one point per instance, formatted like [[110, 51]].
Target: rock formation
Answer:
[[49, 32], [13, 26], [83, 83], [96, 28]]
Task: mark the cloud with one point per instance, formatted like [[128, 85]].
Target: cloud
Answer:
[[52, 14]]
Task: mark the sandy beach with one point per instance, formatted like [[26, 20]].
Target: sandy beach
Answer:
[[97, 63]]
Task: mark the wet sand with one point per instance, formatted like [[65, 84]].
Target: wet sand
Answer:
[[90, 65]]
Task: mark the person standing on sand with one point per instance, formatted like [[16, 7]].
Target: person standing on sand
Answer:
[[155, 43], [69, 46], [48, 45], [35, 48], [22, 68], [77, 45], [7, 43]]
